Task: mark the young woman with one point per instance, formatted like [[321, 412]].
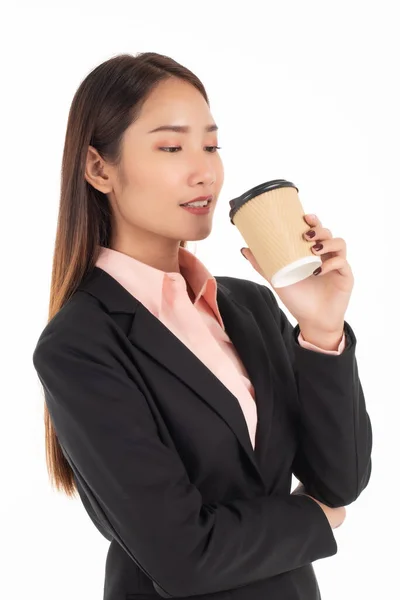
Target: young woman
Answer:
[[177, 404]]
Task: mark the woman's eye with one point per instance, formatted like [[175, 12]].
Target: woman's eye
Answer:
[[168, 148], [171, 149]]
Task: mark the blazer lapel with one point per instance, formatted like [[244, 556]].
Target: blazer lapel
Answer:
[[152, 337], [242, 328]]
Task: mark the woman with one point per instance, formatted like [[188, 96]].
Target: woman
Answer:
[[179, 404]]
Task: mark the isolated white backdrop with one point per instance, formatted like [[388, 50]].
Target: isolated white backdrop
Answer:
[[303, 91]]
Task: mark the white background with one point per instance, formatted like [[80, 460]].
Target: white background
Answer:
[[306, 91]]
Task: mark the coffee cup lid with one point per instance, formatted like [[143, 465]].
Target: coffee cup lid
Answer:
[[238, 202]]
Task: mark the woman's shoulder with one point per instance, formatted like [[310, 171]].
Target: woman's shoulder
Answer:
[[247, 292], [80, 322]]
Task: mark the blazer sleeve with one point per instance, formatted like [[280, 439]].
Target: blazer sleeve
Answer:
[[333, 460], [105, 427]]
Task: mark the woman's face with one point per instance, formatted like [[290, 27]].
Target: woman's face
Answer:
[[155, 180]]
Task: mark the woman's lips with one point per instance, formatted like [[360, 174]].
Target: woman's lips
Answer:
[[198, 210]]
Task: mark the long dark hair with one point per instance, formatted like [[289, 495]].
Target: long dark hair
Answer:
[[106, 103]]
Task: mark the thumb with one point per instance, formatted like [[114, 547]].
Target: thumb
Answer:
[[247, 253]]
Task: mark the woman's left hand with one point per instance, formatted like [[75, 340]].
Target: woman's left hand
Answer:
[[319, 302]]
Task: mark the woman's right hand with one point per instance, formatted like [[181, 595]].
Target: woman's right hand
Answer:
[[335, 516]]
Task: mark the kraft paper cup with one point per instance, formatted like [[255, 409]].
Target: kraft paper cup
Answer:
[[269, 216]]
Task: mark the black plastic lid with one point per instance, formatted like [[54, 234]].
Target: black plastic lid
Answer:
[[238, 202]]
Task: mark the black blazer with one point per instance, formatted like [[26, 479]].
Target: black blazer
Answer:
[[162, 456]]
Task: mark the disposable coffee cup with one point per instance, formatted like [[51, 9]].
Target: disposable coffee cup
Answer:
[[270, 219]]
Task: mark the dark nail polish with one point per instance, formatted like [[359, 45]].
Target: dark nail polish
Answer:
[[310, 233], [317, 271], [317, 247]]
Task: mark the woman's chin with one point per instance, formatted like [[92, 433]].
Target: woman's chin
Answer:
[[200, 234]]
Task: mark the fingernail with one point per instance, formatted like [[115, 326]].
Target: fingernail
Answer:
[[317, 271], [317, 247], [310, 233]]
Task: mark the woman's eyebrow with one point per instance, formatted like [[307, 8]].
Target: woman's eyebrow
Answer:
[[182, 128]]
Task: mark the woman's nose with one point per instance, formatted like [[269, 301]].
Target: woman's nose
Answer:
[[207, 179], [205, 173]]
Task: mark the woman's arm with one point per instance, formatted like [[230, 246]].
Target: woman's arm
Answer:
[[335, 516], [333, 460]]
